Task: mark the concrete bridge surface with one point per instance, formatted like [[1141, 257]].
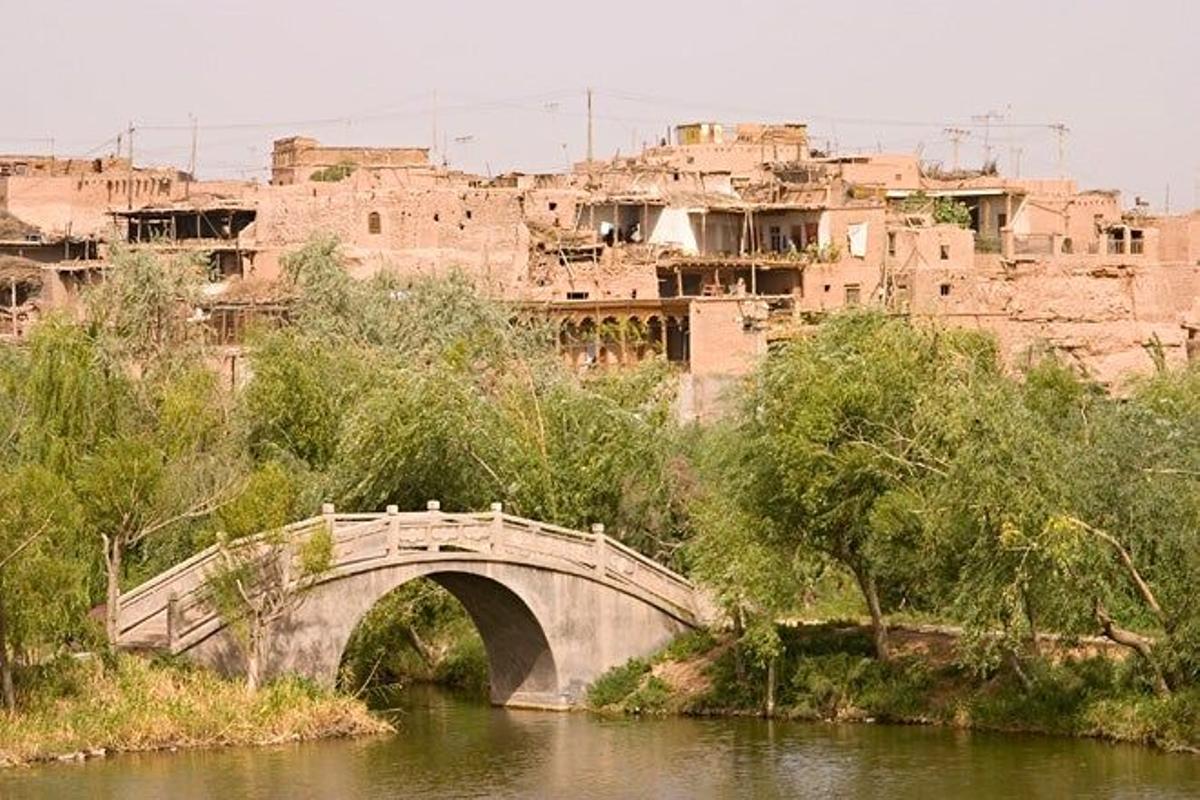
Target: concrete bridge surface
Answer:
[[555, 607]]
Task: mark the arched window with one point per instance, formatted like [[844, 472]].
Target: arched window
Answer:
[[373, 223]]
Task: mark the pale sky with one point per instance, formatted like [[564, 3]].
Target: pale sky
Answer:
[[510, 79]]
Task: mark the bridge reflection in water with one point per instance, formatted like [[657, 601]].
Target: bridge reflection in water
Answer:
[[555, 607]]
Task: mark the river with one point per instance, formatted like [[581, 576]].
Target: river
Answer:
[[451, 747]]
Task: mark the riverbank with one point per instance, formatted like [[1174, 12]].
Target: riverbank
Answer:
[[827, 673], [73, 710]]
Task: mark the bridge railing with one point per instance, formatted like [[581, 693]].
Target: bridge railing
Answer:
[[172, 608]]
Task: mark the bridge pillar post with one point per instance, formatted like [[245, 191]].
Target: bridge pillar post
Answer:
[[497, 526], [434, 509], [393, 536], [598, 533]]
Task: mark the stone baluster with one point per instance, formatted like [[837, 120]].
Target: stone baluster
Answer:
[[328, 515], [393, 531], [172, 621], [497, 527]]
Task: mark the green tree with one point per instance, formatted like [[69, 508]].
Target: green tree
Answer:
[[43, 571], [265, 568], [833, 430]]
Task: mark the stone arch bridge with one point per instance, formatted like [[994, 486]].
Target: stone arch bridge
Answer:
[[555, 607]]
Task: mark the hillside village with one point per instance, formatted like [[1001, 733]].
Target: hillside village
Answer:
[[701, 250]]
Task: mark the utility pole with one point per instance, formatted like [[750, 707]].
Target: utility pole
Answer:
[[1061, 132], [956, 136], [187, 191], [589, 136], [129, 183]]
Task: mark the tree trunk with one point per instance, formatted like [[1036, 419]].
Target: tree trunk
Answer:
[[1034, 644], [112, 571], [866, 582], [771, 687], [6, 676], [423, 650], [739, 660], [254, 657], [1136, 643]]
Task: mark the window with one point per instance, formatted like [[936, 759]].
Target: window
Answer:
[[437, 217], [827, 287], [577, 295], [945, 250], [776, 238], [944, 290], [1001, 220], [853, 294], [468, 213], [891, 243], [553, 206], [373, 223], [1068, 246]]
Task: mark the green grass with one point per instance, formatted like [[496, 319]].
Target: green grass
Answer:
[[135, 704], [828, 672], [617, 684]]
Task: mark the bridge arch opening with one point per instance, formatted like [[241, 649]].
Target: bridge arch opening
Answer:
[[521, 668]]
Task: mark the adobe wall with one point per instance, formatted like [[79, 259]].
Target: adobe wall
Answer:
[[421, 231]]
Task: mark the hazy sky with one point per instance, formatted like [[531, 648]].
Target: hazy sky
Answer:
[[510, 79]]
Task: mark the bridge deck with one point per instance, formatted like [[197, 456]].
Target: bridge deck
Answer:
[[171, 611]]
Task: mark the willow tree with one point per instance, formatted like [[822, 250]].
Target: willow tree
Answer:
[[264, 569], [43, 566], [402, 393], [835, 427]]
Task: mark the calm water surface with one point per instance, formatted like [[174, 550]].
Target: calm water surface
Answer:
[[449, 747]]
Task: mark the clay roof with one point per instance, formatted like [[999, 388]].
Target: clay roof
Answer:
[[15, 268]]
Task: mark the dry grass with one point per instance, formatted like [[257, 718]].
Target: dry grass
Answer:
[[140, 706]]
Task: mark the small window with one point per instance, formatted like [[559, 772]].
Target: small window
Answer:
[[468, 213], [437, 217], [1068, 246], [945, 252], [853, 294], [891, 243], [553, 206], [577, 295], [827, 287], [944, 290], [1001, 220], [373, 222]]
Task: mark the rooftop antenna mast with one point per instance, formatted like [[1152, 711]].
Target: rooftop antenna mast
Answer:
[[433, 141], [1061, 131], [187, 187], [589, 131], [956, 136], [986, 119]]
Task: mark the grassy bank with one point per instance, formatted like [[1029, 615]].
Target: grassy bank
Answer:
[[827, 673], [73, 710]]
